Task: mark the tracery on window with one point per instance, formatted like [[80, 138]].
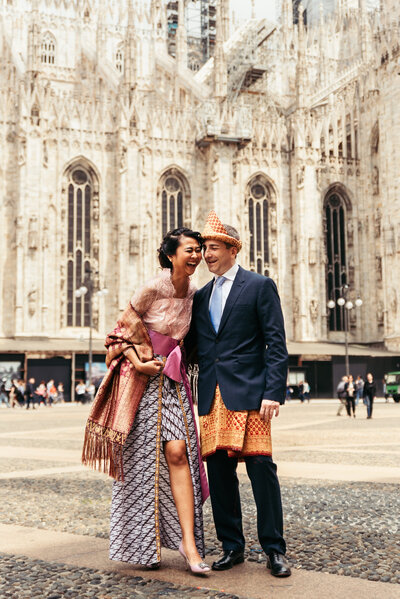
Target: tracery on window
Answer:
[[48, 49], [79, 210], [335, 226], [175, 201], [258, 202]]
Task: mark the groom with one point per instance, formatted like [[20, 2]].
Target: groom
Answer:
[[238, 326]]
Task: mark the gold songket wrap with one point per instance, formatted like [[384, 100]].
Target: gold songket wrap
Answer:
[[240, 433]]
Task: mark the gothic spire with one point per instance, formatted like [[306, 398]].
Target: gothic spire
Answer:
[[181, 37], [220, 66], [130, 50]]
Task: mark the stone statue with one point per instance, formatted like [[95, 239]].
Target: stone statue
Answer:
[[375, 181], [33, 233], [314, 309]]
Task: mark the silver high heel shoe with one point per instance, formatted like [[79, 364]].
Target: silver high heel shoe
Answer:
[[199, 568]]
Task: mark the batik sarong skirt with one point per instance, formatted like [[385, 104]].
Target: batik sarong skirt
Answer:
[[143, 512], [240, 433]]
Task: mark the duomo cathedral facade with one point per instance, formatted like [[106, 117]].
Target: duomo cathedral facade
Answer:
[[291, 132]]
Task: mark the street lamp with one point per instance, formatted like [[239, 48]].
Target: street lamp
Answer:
[[348, 305], [87, 287]]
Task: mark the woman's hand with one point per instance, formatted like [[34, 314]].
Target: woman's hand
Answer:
[[151, 368]]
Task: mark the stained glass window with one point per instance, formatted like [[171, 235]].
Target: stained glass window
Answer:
[[80, 191], [172, 202], [336, 250], [258, 203]]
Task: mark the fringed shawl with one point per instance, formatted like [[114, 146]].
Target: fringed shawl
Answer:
[[113, 412]]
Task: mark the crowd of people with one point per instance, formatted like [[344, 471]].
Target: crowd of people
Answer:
[[31, 395], [350, 392]]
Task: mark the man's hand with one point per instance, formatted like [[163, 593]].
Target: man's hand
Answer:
[[268, 409]]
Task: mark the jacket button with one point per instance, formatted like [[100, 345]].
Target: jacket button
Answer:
[[217, 359]]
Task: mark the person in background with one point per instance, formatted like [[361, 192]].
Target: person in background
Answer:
[[13, 396], [359, 385], [41, 393], [80, 392], [350, 397], [60, 392], [52, 394], [30, 393], [301, 391], [4, 396], [341, 393], [289, 392], [369, 393], [306, 391]]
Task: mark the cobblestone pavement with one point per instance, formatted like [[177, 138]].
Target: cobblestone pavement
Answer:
[[344, 528], [22, 578]]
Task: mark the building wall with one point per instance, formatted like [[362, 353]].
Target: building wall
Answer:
[[287, 124]]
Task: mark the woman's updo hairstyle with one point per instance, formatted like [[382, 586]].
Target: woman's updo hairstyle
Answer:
[[170, 244]]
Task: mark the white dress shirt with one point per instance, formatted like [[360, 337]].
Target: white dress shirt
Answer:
[[227, 284]]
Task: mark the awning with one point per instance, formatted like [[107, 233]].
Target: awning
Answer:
[[38, 345], [318, 349]]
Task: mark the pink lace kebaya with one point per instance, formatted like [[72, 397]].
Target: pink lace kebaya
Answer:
[[161, 310]]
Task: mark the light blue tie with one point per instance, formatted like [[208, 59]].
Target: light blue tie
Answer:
[[216, 304]]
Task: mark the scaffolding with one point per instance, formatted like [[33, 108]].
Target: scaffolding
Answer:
[[200, 21]]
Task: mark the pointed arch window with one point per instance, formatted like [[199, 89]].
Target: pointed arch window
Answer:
[[119, 59], [79, 209], [175, 201], [335, 218], [48, 49], [258, 200]]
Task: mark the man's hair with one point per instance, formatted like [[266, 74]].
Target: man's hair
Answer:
[[232, 232]]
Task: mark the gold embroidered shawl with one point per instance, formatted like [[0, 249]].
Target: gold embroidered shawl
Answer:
[[117, 400]]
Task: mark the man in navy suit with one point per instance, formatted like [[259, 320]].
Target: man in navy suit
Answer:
[[238, 327]]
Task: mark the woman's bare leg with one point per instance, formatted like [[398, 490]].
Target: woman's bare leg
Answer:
[[182, 491]]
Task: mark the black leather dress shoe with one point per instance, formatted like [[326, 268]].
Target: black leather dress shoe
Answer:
[[278, 564], [228, 560]]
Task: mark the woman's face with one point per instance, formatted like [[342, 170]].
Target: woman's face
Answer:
[[187, 256]]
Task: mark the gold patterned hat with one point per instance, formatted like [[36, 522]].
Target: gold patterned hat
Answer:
[[214, 229]]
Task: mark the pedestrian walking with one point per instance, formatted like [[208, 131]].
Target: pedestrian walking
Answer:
[[369, 394], [359, 385], [80, 392], [51, 393], [341, 393], [13, 396], [30, 394], [301, 391], [306, 391], [41, 393], [350, 397], [60, 392], [4, 396]]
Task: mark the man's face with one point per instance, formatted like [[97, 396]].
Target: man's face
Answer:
[[218, 257]]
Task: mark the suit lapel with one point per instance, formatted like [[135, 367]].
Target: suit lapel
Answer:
[[205, 301], [236, 290]]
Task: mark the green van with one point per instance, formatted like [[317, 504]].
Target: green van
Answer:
[[392, 380]]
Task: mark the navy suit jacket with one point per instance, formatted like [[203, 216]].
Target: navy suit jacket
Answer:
[[248, 356]]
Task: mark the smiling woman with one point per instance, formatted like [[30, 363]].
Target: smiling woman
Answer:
[[142, 419]]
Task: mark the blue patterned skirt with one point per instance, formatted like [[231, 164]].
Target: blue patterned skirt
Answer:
[[143, 512]]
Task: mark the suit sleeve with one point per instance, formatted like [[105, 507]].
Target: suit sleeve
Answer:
[[276, 356], [190, 341]]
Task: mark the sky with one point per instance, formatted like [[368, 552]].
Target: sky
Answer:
[[264, 9]]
